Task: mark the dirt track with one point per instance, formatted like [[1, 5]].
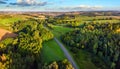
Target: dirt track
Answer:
[[67, 54], [5, 34]]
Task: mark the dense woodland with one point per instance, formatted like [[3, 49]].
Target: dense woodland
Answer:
[[101, 39]]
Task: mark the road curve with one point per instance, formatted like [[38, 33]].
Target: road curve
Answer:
[[69, 57]]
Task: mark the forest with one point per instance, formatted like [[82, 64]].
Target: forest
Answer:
[[101, 39]]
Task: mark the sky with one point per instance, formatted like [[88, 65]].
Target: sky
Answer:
[[59, 5]]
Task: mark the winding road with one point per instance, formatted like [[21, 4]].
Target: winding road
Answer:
[[69, 57]]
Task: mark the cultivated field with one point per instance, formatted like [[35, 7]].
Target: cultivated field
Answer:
[[6, 34]]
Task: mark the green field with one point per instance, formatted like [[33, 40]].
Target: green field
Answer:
[[7, 20], [5, 23], [51, 52], [84, 60], [60, 30]]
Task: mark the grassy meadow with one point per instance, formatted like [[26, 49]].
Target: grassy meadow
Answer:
[[51, 52]]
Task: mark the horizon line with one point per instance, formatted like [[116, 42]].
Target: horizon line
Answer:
[[61, 11]]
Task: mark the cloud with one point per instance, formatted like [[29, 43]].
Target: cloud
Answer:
[[82, 7], [3, 2], [90, 7], [29, 3], [26, 1]]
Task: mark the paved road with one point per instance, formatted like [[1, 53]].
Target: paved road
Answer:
[[69, 57]]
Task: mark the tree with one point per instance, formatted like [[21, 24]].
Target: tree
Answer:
[[53, 65]]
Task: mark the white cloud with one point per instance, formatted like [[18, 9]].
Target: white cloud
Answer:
[[82, 7], [26, 1], [19, 1], [89, 7], [29, 3]]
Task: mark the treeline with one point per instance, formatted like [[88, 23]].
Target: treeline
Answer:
[[77, 20], [70, 20], [100, 39]]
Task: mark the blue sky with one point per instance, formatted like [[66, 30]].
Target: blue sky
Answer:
[[59, 5]]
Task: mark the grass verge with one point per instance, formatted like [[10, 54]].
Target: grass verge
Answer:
[[52, 52]]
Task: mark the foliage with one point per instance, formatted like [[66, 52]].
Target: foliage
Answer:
[[65, 64], [100, 39], [24, 51]]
